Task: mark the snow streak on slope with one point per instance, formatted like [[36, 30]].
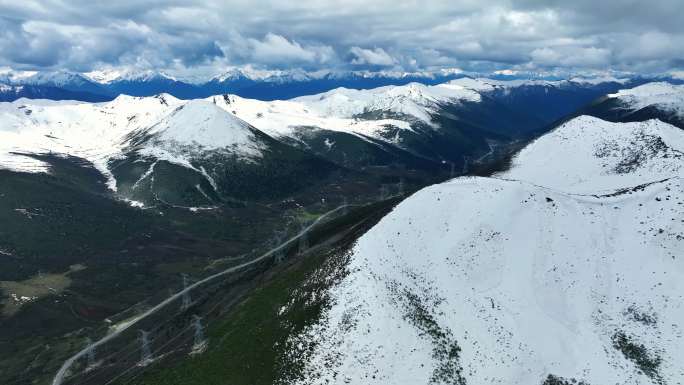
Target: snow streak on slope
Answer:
[[196, 127], [664, 96], [95, 132], [505, 281]]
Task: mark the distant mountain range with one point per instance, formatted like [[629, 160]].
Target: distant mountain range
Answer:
[[263, 85]]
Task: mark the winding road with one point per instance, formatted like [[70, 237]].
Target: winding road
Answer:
[[61, 374]]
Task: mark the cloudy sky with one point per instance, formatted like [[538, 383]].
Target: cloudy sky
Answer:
[[474, 35]]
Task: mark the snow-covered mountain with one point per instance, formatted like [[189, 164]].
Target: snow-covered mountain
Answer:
[[133, 141], [64, 80], [343, 109], [95, 132], [431, 128], [664, 96], [620, 156], [658, 100], [195, 145], [415, 116], [415, 124], [9, 92], [59, 85], [110, 76], [548, 100], [145, 83], [565, 269]]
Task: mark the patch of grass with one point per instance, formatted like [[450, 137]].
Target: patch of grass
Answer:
[[646, 361], [648, 319], [555, 380], [18, 293], [304, 216], [445, 349]]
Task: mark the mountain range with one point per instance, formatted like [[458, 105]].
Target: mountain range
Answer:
[[130, 140], [493, 231], [105, 85]]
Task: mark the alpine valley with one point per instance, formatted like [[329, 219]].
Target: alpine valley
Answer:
[[357, 228]]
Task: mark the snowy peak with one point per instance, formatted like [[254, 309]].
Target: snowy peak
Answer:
[[269, 76], [9, 76], [95, 132], [200, 125], [664, 96], [299, 75], [111, 76], [588, 155], [56, 79], [283, 118], [599, 80], [486, 84], [5, 88], [413, 99], [141, 103]]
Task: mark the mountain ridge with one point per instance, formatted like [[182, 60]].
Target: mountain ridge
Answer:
[[247, 82], [501, 279]]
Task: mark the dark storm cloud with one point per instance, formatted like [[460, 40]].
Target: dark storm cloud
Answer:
[[474, 35]]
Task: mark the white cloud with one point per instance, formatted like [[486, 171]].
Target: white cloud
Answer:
[[653, 45], [274, 49], [471, 34], [375, 57], [571, 56]]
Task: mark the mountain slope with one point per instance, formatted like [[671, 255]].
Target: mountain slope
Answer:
[[504, 280], [95, 132], [225, 141], [659, 100], [609, 156], [215, 157], [415, 125], [546, 100], [158, 149]]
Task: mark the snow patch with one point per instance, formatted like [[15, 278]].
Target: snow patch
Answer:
[[604, 156]]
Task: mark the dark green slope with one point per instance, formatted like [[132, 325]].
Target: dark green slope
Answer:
[[48, 221], [222, 177]]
